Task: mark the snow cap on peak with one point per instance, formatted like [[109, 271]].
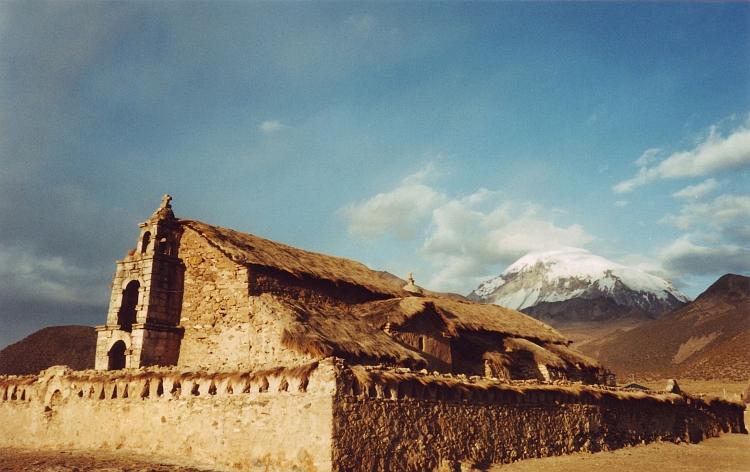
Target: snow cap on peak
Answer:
[[567, 272]]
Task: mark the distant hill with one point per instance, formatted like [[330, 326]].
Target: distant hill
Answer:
[[707, 339], [571, 285], [74, 346]]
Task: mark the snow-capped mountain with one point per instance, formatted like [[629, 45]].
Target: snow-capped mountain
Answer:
[[572, 284]]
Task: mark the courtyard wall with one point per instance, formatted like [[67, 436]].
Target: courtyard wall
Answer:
[[418, 422], [272, 420], [325, 416]]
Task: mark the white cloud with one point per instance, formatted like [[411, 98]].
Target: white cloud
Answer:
[[723, 212], [621, 203], [712, 155], [684, 257], [697, 191], [649, 156], [465, 237], [395, 212], [271, 126], [644, 176], [464, 243], [716, 228]]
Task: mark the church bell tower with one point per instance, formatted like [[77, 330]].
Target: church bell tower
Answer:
[[143, 322]]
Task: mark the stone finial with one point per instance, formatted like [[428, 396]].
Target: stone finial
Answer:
[[164, 212], [672, 386], [411, 287]]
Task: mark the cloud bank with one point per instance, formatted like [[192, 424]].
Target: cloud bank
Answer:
[[715, 222], [399, 211], [463, 239], [687, 258], [717, 233], [712, 155]]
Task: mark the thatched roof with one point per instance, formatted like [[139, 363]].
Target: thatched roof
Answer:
[[460, 316], [400, 312], [330, 331], [540, 354], [398, 281], [247, 249], [573, 357], [355, 332]]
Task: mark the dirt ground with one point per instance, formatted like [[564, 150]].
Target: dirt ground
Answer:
[[12, 459]]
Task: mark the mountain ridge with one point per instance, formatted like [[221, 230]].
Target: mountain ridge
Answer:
[[707, 338], [551, 285]]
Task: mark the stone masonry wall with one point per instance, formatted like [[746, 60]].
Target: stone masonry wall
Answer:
[[421, 424], [225, 327], [325, 416], [280, 420], [214, 307]]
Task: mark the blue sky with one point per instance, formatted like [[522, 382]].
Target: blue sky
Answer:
[[447, 139]]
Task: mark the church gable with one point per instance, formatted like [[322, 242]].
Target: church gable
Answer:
[[215, 306]]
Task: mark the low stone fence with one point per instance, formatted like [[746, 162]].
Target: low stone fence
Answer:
[[417, 422], [269, 419], [326, 416]]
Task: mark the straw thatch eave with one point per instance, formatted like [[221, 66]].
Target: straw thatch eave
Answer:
[[250, 250], [405, 313], [573, 357], [321, 332], [540, 354], [459, 316], [477, 317]]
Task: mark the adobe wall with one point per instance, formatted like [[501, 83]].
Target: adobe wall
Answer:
[[225, 327], [422, 424], [272, 420], [321, 417]]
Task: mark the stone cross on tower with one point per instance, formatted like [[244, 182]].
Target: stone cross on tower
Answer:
[[164, 212]]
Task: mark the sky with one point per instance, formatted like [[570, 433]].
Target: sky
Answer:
[[444, 138]]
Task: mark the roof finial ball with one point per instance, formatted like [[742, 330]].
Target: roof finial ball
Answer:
[[411, 287]]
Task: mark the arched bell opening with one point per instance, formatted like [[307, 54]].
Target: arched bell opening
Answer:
[[126, 317], [144, 242], [117, 356]]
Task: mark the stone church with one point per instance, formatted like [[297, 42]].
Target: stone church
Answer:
[[195, 295], [241, 353]]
